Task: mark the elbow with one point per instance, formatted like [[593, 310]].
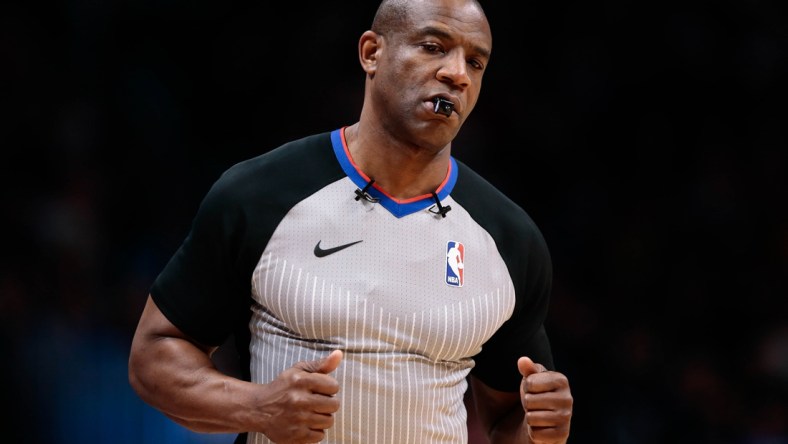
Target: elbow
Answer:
[[139, 382], [135, 378]]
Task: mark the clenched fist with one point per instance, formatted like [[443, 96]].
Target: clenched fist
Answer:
[[547, 402], [300, 402]]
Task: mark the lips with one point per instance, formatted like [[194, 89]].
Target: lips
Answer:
[[444, 107], [443, 98]]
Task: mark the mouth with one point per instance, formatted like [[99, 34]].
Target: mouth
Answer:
[[443, 105]]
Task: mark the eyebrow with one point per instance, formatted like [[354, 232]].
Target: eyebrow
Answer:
[[439, 32]]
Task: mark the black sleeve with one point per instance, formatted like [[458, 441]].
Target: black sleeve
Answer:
[[205, 288], [200, 290], [524, 333], [527, 257]]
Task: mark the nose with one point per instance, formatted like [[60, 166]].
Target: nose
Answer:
[[455, 70]]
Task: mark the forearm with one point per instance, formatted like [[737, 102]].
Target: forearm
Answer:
[[178, 378], [503, 417]]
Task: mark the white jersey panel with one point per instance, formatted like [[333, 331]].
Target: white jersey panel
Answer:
[[407, 335]]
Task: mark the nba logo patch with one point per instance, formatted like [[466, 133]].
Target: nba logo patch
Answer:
[[455, 263]]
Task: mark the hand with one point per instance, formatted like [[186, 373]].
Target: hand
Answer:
[[300, 402], [547, 402]]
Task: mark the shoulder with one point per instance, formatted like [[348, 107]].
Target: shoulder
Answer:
[[268, 185], [492, 209], [282, 158], [280, 167]]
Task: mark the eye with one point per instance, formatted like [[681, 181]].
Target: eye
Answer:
[[476, 64], [432, 47]]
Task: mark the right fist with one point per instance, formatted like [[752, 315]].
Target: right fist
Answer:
[[300, 402]]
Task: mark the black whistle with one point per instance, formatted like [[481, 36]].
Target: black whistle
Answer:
[[443, 106]]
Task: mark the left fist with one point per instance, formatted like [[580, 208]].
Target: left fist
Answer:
[[547, 402]]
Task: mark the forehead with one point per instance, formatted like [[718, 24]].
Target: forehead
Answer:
[[456, 19]]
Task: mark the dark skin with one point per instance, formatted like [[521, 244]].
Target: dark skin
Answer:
[[174, 373], [441, 49]]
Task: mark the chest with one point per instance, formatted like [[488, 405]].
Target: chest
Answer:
[[349, 272]]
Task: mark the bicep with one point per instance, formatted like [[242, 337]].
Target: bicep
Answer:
[[153, 323], [175, 374], [153, 329]]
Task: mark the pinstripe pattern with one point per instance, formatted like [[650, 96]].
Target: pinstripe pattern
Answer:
[[408, 338]]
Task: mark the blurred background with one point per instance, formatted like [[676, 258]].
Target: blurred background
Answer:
[[648, 140]]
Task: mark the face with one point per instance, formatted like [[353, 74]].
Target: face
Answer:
[[442, 52]]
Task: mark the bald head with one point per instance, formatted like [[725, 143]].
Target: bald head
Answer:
[[392, 15]]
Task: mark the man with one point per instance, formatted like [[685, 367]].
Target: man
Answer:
[[366, 274]]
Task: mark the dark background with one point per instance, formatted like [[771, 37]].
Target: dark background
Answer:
[[648, 141]]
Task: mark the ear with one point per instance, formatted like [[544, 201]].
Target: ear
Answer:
[[369, 46]]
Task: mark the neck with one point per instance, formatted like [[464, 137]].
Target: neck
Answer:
[[402, 170]]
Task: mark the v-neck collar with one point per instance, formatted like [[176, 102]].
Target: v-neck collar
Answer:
[[397, 207]]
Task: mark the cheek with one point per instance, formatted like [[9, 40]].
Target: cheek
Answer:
[[400, 82], [470, 103], [407, 66], [404, 74], [473, 93]]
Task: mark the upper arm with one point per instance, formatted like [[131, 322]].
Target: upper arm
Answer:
[[174, 373], [154, 326]]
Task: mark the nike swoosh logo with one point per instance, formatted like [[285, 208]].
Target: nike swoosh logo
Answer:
[[320, 252]]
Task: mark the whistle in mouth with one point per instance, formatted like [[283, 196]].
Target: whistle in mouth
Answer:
[[443, 106]]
